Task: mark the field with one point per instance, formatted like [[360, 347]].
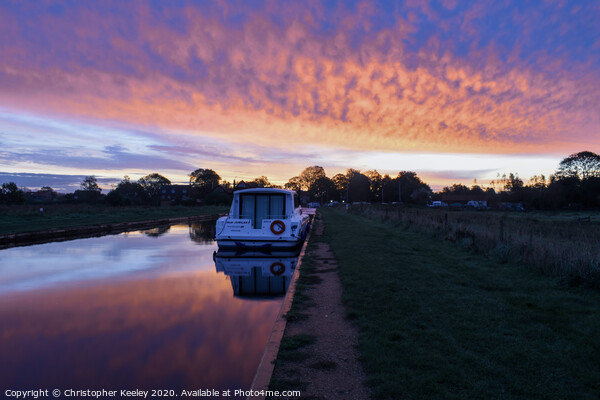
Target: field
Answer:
[[438, 321], [18, 219], [564, 244]]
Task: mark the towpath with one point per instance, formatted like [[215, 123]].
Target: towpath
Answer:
[[319, 350]]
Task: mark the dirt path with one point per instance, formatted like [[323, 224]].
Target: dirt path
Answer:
[[319, 350]]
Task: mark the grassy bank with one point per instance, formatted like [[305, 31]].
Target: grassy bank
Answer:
[[18, 219], [562, 244], [437, 321]]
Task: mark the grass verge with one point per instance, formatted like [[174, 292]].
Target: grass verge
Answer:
[[439, 322], [28, 219], [563, 244]]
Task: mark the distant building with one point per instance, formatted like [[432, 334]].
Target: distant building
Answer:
[[175, 193], [245, 185], [42, 196], [87, 196], [222, 189]]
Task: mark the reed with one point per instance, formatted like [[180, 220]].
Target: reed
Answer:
[[567, 246]]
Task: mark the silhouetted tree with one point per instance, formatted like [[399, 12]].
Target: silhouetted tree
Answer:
[[341, 186], [90, 184], [513, 183], [310, 175], [151, 184], [11, 194], [262, 181], [537, 181], [294, 184], [582, 165], [204, 177], [410, 183], [389, 189], [358, 186], [456, 188], [51, 192], [376, 181], [322, 190], [127, 193], [203, 181]]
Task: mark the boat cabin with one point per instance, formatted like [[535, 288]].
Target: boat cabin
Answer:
[[257, 205]]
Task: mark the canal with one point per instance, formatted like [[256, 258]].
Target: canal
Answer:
[[152, 309]]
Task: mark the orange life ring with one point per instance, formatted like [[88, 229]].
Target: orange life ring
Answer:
[[277, 227], [277, 268]]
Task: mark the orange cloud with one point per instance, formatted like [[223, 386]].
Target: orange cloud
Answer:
[[287, 85]]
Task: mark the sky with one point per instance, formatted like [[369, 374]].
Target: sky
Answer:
[[454, 90]]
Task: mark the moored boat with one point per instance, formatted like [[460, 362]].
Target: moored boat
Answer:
[[264, 219]]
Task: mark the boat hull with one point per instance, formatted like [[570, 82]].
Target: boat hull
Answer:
[[260, 245]]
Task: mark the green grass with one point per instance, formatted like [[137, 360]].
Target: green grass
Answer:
[[290, 347], [20, 219], [437, 321], [564, 244]]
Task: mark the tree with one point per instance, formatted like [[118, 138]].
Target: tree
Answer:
[[294, 184], [11, 194], [513, 183], [376, 182], [90, 184], [127, 193], [152, 184], [410, 183], [322, 190], [204, 181], [204, 177], [341, 186], [582, 165], [389, 189], [456, 188], [476, 189], [537, 182], [51, 192], [310, 175], [350, 172], [359, 187], [262, 181]]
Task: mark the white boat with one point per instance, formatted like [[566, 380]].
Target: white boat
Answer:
[[263, 219]]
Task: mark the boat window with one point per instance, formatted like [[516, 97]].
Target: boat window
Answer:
[[277, 207], [257, 207], [247, 206], [262, 209]]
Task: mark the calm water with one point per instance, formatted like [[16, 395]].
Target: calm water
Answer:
[[140, 310]]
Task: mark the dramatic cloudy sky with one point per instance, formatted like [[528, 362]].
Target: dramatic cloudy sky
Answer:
[[455, 90]]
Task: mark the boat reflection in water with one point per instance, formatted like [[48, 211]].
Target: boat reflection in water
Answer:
[[202, 232], [257, 274]]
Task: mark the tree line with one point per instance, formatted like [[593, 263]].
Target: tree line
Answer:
[[575, 184]]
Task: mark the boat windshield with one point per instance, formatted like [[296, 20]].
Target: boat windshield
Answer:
[[257, 207]]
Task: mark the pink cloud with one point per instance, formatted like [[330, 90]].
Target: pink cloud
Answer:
[[286, 84]]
